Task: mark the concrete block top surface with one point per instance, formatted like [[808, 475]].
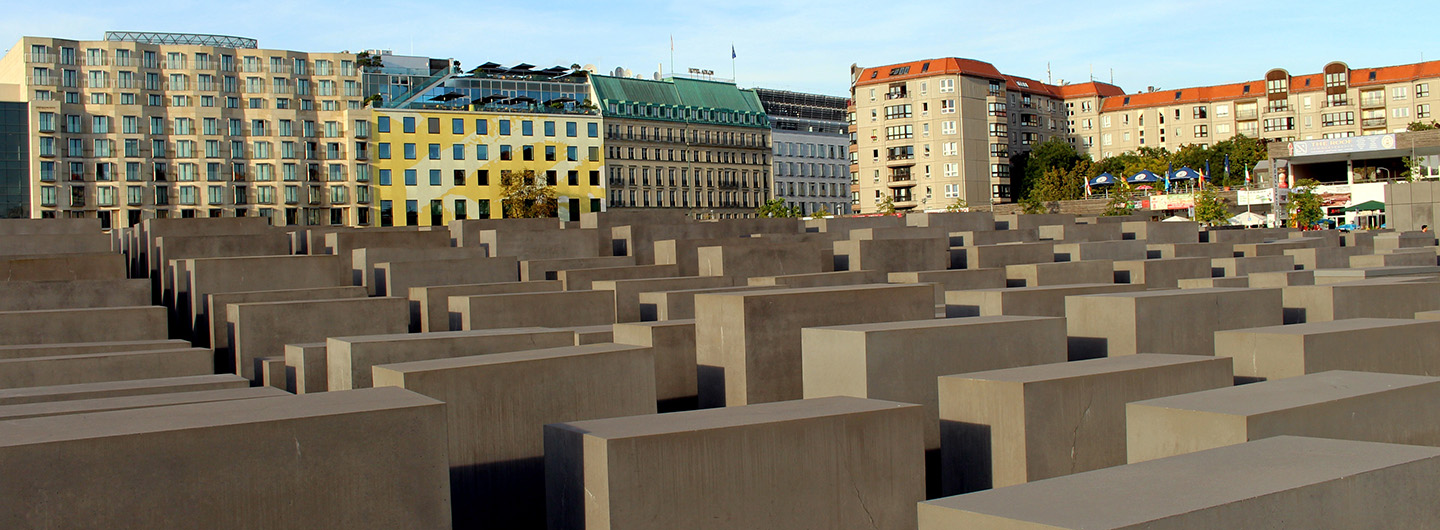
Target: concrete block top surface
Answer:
[[1162, 293], [181, 417], [1131, 495], [79, 406], [1334, 326], [120, 385], [1067, 370], [719, 418], [433, 335], [903, 325], [507, 357], [1289, 393]]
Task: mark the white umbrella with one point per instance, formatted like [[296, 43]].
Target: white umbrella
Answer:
[[1248, 219], [1175, 219]]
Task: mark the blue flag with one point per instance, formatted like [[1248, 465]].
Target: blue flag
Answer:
[[1227, 166], [732, 51], [1169, 171]]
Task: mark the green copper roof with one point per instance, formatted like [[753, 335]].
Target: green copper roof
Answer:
[[677, 91]]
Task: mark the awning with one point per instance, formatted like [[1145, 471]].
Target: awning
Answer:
[[1367, 206], [1185, 173], [1248, 219], [1143, 176], [1105, 179]]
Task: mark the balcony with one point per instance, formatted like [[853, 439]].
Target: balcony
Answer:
[[1372, 103], [906, 204], [900, 182], [897, 95], [1372, 122], [1246, 114]]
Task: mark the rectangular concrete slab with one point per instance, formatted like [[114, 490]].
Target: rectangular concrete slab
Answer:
[[350, 360], [102, 367], [1360, 299], [263, 329], [1161, 273], [672, 342], [748, 344], [839, 462], [548, 310], [1387, 345], [627, 292], [29, 296], [1005, 427], [1338, 404], [680, 305], [1042, 301], [1304, 482], [82, 348], [396, 279], [1179, 321], [42, 394], [393, 477], [497, 404], [430, 306], [1061, 273], [84, 406], [52, 326]]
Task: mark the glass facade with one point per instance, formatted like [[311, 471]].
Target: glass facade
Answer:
[[14, 160]]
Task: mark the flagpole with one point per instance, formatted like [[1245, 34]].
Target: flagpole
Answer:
[[732, 65], [672, 55]]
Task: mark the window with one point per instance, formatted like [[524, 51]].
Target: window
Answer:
[[382, 124], [504, 127], [549, 127], [505, 152], [527, 128], [897, 111], [434, 177], [947, 127], [410, 151], [947, 106], [1400, 93], [433, 150], [1400, 112], [411, 178], [384, 177], [1422, 90], [949, 149], [1198, 112], [899, 132], [999, 130], [408, 124], [1331, 119], [947, 85], [952, 170], [1422, 110]]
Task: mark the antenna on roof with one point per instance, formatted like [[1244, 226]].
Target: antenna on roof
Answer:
[[1048, 80], [1092, 72], [1112, 76]]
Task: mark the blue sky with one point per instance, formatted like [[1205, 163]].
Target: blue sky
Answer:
[[804, 45]]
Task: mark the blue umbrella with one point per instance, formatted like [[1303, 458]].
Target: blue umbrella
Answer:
[[1144, 176], [1104, 179], [1186, 173]]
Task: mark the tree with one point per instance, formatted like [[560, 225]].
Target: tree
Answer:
[[1210, 209], [776, 208], [958, 206], [1421, 126], [1120, 201], [886, 206], [1305, 208], [1032, 205], [1063, 184], [523, 196], [822, 212], [1051, 154]]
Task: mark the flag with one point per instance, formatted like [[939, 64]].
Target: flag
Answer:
[[732, 51], [1169, 170], [1247, 176], [1205, 175], [672, 43], [1227, 166], [1087, 187]]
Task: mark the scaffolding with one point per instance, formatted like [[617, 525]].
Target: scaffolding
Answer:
[[144, 37], [784, 103]]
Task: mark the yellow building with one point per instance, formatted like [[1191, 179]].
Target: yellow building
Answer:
[[443, 148], [439, 166]]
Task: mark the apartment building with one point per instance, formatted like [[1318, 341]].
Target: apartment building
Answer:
[[445, 145], [810, 150], [1337, 102], [697, 145], [143, 125], [928, 133]]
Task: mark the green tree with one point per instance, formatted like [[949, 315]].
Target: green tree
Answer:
[[886, 206], [960, 205], [1305, 210], [1054, 153], [1063, 184], [523, 196], [1032, 204], [1210, 209], [775, 208], [1120, 201], [1421, 126], [822, 212]]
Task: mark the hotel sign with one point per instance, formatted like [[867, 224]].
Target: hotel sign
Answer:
[[1353, 144], [698, 71]]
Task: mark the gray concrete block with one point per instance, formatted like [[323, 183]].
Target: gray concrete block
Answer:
[[103, 367], [672, 343], [497, 404], [953, 280], [1180, 321], [396, 279], [627, 292], [1043, 301], [363, 260], [349, 360], [430, 306], [1342, 405], [1305, 482], [680, 305], [1161, 233], [392, 477], [547, 269], [1231, 267], [41, 268], [820, 279], [546, 310], [217, 313], [29, 296], [86, 406], [766, 260], [1361, 299], [894, 255], [1399, 346], [1005, 427], [263, 329], [748, 344], [583, 279], [42, 394], [306, 371], [865, 473], [1111, 250], [992, 256], [81, 348], [1065, 273], [52, 326]]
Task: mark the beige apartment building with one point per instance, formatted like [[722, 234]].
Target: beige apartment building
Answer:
[[1337, 102], [147, 125], [928, 133]]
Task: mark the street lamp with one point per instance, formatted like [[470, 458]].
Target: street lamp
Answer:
[[1386, 170]]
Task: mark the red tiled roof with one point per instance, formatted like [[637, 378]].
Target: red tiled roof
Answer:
[[1358, 77], [948, 65], [1092, 88]]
